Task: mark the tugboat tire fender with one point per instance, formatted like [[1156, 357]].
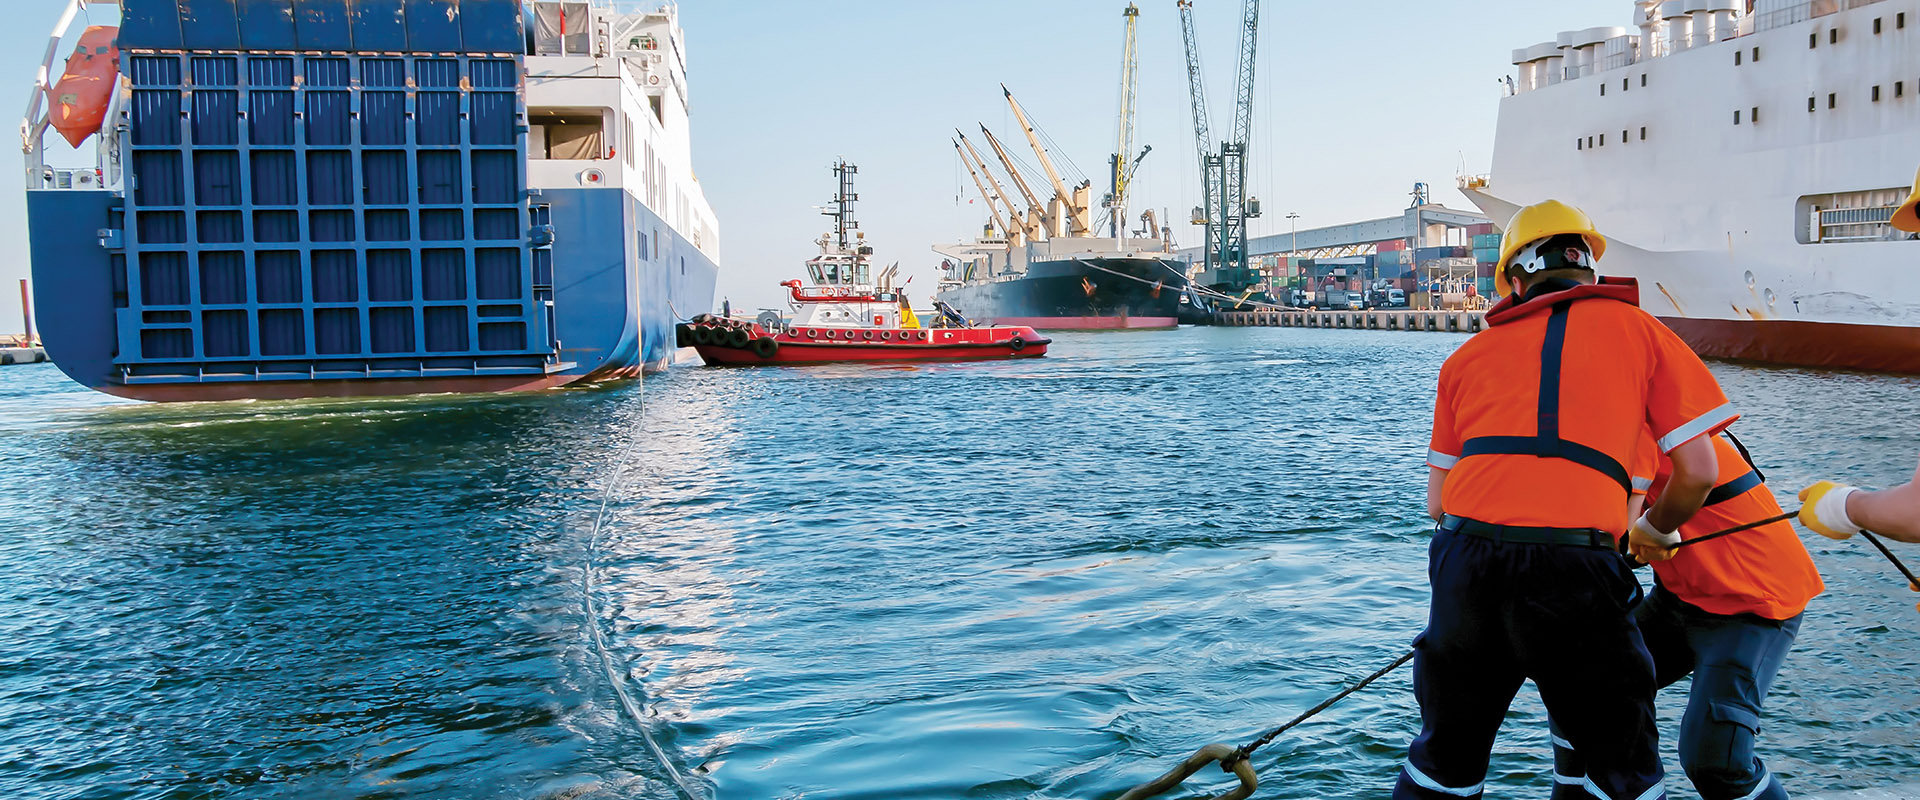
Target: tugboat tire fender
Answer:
[[738, 338], [765, 347], [1017, 343], [702, 335]]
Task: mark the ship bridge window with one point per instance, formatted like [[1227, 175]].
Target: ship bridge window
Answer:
[[566, 134], [1848, 217], [562, 29]]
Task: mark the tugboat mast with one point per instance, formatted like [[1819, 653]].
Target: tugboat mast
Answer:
[[842, 211]]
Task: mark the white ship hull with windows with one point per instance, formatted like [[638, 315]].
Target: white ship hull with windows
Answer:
[[1742, 167]]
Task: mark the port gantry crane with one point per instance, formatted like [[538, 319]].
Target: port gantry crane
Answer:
[[1122, 169], [1223, 174]]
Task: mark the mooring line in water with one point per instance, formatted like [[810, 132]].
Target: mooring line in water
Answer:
[[627, 702], [1236, 760]]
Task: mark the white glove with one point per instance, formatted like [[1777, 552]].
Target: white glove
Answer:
[[1650, 543]]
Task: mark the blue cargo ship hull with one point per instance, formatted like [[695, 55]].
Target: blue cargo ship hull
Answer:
[[336, 202]]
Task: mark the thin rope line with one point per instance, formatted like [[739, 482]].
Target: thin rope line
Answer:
[[627, 702]]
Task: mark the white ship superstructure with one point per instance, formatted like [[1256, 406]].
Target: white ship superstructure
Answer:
[[1742, 159]]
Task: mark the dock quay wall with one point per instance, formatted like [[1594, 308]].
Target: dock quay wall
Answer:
[[1383, 320]]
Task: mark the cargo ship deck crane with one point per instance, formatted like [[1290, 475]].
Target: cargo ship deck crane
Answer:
[[1122, 169], [1015, 233], [1036, 213], [1073, 202], [1224, 174]]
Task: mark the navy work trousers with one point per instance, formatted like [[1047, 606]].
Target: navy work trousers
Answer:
[[1503, 613], [1733, 659]]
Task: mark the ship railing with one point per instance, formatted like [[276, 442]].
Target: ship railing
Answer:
[[1853, 224], [1801, 12], [105, 174]]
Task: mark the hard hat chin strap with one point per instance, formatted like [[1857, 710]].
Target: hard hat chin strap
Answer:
[[1564, 251]]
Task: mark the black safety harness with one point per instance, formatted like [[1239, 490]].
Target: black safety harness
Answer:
[[1545, 443]]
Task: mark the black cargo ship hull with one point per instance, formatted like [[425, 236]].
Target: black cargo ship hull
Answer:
[[1078, 294]]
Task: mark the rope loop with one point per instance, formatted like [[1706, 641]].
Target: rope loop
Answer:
[[1231, 759]]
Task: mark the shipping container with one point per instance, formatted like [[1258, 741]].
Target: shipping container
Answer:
[[1485, 285], [1483, 270], [1392, 244], [1483, 241], [1481, 229], [1486, 256]]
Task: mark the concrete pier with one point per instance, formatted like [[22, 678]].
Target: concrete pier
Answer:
[[1379, 320]]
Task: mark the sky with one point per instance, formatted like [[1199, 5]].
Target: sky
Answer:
[[1355, 101]]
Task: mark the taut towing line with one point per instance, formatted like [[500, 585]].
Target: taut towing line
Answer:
[[1237, 760]]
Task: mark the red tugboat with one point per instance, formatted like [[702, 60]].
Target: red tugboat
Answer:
[[846, 316]]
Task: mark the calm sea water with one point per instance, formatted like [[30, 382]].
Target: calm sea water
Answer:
[[1038, 579]]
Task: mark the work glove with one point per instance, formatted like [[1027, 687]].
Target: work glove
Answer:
[[1650, 544], [1824, 510]]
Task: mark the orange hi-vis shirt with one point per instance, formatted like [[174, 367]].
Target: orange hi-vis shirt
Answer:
[[1764, 571], [1619, 370]]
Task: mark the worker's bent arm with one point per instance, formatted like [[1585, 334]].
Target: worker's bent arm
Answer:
[[1893, 513], [1436, 484], [1695, 466]]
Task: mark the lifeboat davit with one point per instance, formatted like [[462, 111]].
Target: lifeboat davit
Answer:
[[80, 98]]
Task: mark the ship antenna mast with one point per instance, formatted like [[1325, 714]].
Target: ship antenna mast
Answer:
[[842, 212]]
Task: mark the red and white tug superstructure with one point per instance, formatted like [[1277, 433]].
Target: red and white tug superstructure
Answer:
[[843, 314]]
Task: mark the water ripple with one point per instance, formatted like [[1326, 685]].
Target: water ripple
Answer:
[[1037, 579]]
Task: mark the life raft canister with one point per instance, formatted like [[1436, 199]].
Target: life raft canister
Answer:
[[80, 98]]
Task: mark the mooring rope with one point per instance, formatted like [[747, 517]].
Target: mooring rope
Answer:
[[1236, 760], [627, 702]]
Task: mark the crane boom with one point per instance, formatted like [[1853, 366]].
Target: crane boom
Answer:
[[1021, 228], [1122, 170], [1035, 211], [1243, 76], [993, 208], [1196, 86], [1078, 222]]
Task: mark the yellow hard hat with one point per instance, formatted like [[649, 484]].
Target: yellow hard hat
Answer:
[[1907, 217], [1539, 221]]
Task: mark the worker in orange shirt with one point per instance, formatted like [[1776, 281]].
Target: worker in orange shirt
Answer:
[[1726, 611], [1536, 422]]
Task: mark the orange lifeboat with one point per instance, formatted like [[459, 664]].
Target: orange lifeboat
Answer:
[[80, 98]]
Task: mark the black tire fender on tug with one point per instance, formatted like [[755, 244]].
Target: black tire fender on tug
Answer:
[[1018, 343], [682, 336], [738, 338], [701, 335], [765, 347]]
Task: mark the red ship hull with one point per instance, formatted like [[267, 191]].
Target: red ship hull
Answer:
[[856, 345], [1829, 345]]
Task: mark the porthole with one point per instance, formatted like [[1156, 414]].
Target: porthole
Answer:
[[1750, 280]]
